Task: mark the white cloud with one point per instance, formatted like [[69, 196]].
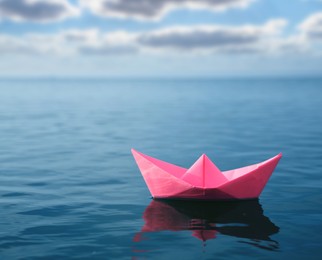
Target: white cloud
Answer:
[[191, 40], [11, 45], [93, 42], [311, 27], [234, 39], [267, 38], [68, 43], [37, 10], [77, 36], [155, 9], [107, 49]]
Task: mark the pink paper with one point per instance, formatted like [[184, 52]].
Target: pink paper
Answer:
[[203, 180]]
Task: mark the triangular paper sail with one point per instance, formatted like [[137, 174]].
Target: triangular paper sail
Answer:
[[204, 173]]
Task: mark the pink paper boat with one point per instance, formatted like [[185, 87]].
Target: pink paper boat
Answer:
[[203, 180]]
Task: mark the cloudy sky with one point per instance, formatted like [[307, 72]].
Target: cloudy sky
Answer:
[[166, 38]]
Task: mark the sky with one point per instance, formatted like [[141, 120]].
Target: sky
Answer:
[[160, 38]]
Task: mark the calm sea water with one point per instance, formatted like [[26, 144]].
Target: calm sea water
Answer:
[[69, 187]]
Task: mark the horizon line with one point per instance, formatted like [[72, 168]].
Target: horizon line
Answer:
[[159, 77]]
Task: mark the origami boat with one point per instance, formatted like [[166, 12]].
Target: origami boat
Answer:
[[203, 180]]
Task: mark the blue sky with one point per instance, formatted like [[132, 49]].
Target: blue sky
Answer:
[[162, 38]]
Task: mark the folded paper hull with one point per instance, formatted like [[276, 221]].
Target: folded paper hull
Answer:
[[204, 181]]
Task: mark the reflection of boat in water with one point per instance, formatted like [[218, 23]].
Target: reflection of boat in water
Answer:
[[243, 219], [203, 180]]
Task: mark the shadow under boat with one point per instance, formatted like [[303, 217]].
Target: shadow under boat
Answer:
[[206, 219]]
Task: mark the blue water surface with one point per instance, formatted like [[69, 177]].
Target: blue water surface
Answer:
[[69, 187]]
